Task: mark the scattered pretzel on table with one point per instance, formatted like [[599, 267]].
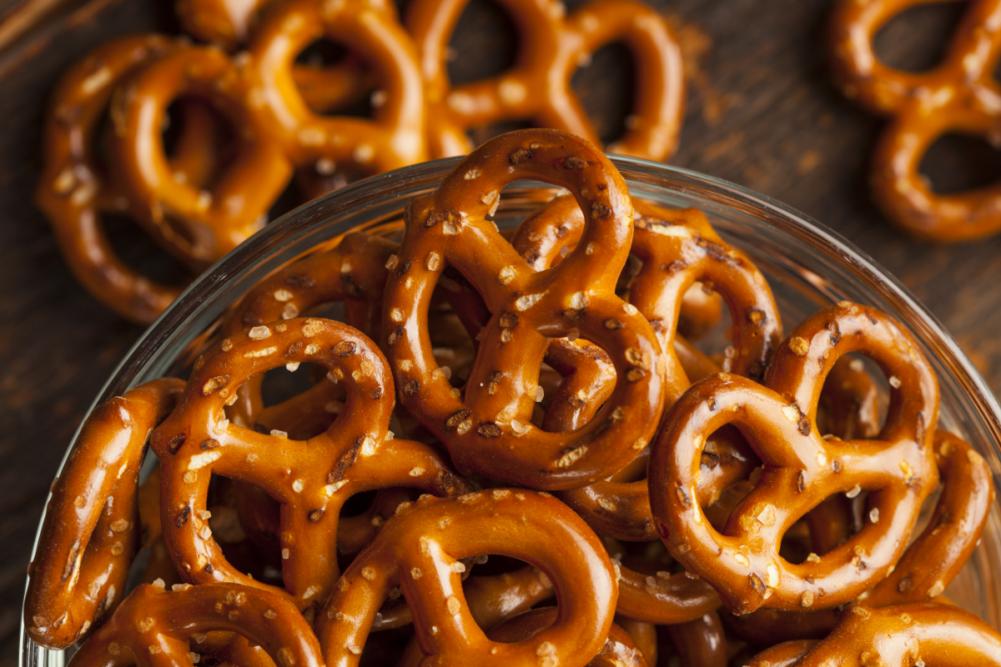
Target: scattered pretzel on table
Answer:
[[312, 479], [420, 550], [91, 530], [488, 430], [958, 95], [801, 469], [158, 627], [538, 86]]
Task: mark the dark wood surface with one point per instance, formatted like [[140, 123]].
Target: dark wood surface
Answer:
[[761, 112]]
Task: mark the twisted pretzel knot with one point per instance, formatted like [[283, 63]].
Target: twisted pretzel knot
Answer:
[[420, 549], [488, 431], [213, 221], [91, 528], [312, 479], [154, 627], [538, 87], [75, 190], [801, 468], [959, 95], [900, 636], [393, 139]]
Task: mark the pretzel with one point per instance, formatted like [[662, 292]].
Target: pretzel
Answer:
[[154, 627], [420, 549], [538, 87], [617, 651], [202, 224], [700, 641], [644, 636], [75, 190], [801, 469], [222, 22], [958, 95], [786, 654], [393, 139], [91, 529], [488, 430], [900, 636], [312, 479]]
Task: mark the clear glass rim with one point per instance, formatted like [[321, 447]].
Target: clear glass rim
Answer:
[[719, 191]]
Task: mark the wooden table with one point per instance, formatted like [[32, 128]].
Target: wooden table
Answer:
[[761, 112]]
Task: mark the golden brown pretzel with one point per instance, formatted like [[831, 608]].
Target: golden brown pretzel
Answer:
[[488, 430], [312, 479], [700, 641], [154, 627], [902, 636], [203, 224], [801, 469], [91, 529], [926, 568], [75, 189], [958, 95], [420, 549], [619, 650], [393, 139], [538, 87]]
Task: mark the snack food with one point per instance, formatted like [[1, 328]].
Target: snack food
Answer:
[[958, 95], [429, 579]]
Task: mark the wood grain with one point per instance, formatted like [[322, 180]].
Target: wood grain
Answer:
[[761, 112]]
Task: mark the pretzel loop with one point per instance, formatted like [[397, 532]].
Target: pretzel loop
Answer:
[[393, 139], [489, 430], [91, 530], [801, 469], [75, 189], [155, 628], [311, 479], [211, 222], [418, 550]]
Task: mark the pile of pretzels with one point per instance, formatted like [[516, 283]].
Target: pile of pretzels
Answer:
[[245, 116], [509, 453]]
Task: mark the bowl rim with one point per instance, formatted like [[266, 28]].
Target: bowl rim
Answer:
[[783, 216]]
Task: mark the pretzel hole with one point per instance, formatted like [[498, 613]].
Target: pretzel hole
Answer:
[[917, 39], [854, 400], [353, 94], [215, 149], [301, 404], [957, 162], [822, 529], [139, 251], [483, 44], [606, 86], [245, 523]]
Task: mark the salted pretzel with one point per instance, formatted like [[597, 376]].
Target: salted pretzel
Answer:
[[800, 468], [538, 87], [91, 529], [312, 479], [617, 651], [900, 636], [419, 550], [154, 626], [958, 95], [393, 139], [75, 189], [488, 430], [204, 224]]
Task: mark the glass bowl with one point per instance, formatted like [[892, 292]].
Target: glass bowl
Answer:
[[807, 265]]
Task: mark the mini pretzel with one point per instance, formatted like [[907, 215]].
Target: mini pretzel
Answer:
[[959, 95], [75, 189], [538, 87], [312, 479], [617, 651], [928, 566], [91, 530], [420, 549], [211, 221], [393, 139], [801, 469], [488, 431], [914, 634], [154, 627]]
